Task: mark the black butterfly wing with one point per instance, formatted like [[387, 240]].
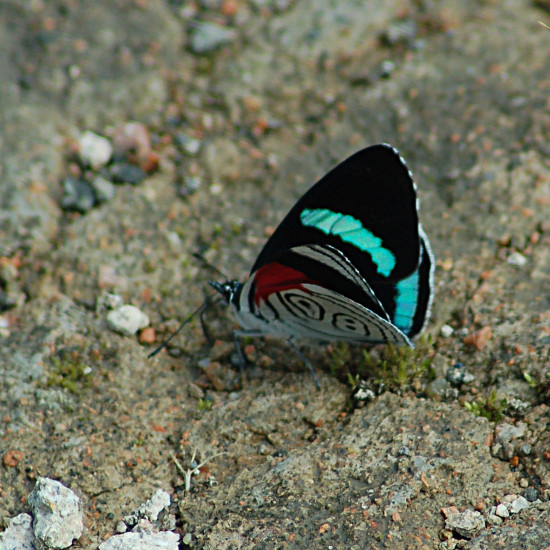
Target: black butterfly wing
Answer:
[[408, 301], [372, 187], [366, 208]]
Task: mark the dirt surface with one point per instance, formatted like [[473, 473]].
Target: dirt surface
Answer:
[[239, 119]]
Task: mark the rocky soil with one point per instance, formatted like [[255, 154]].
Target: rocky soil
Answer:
[[135, 133]]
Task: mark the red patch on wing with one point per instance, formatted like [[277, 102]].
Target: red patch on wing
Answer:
[[275, 277]]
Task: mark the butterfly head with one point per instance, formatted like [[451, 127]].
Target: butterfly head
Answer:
[[229, 290]]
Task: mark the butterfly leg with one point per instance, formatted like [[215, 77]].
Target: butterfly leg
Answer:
[[205, 329], [291, 343]]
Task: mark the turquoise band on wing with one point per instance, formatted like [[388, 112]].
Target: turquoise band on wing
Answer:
[[351, 231], [406, 302]]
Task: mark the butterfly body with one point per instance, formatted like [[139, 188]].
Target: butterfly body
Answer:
[[350, 261]]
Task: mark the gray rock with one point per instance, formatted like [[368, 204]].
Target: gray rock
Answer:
[[124, 172], [165, 540], [467, 524], [492, 518], [127, 320], [504, 435], [57, 515], [206, 37], [77, 195], [103, 189], [531, 494], [439, 388], [18, 535], [150, 509]]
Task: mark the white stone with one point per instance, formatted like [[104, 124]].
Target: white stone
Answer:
[[57, 514], [517, 259], [164, 540], [94, 150], [127, 320], [502, 511], [151, 509], [446, 331], [18, 535], [518, 505]]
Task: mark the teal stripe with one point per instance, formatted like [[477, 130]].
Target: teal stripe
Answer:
[[351, 231], [405, 302]]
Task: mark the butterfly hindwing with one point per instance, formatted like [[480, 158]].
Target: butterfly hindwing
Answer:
[[315, 292]]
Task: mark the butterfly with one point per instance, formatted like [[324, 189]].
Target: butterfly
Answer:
[[350, 261]]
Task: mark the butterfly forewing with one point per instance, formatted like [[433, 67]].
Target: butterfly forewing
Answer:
[[366, 208]]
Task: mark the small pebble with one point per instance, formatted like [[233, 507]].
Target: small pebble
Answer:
[[94, 150], [458, 375], [446, 331], [189, 144], [164, 540], [127, 320], [502, 511], [364, 394], [440, 388], [505, 432], [150, 509], [504, 435], [124, 172], [195, 391], [4, 325], [58, 519], [147, 336], [467, 524], [103, 189], [479, 338], [492, 518], [206, 37], [18, 535], [132, 137], [518, 405], [77, 195], [531, 494], [121, 527], [518, 505], [12, 458], [517, 259], [204, 363]]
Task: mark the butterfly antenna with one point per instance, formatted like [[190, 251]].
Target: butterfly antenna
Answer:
[[198, 311], [207, 264]]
